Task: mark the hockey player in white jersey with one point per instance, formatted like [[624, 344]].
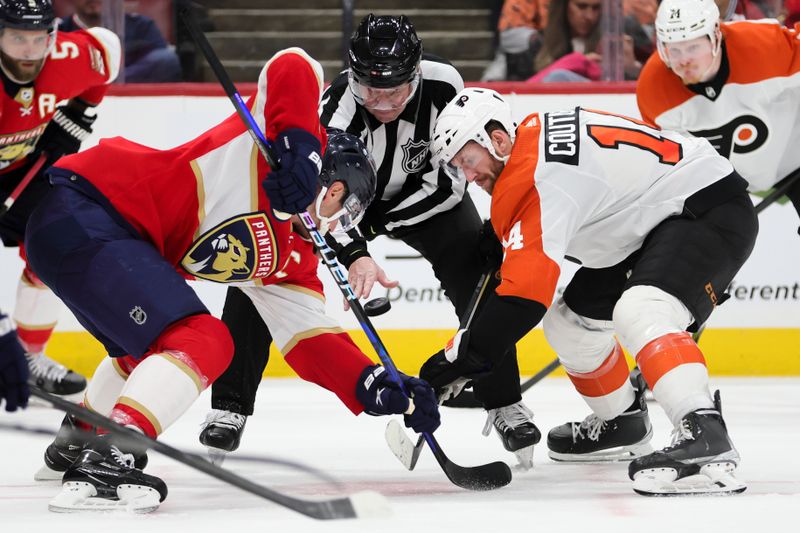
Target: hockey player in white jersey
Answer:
[[659, 223], [735, 83]]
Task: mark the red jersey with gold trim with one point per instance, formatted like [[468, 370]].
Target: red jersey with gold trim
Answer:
[[201, 204], [81, 64], [752, 116], [591, 186]]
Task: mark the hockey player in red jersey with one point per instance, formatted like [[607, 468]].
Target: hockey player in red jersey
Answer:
[[735, 83], [40, 68], [125, 225], [659, 223]]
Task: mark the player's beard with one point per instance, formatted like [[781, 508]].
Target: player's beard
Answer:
[[21, 71], [488, 180]]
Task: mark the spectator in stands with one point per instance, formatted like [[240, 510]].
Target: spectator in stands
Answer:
[[571, 44], [519, 29], [792, 13], [148, 57], [640, 24]]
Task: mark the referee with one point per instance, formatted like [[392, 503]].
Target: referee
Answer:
[[390, 97]]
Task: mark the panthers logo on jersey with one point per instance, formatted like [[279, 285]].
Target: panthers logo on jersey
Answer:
[[239, 249]]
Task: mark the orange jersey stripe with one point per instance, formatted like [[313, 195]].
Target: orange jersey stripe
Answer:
[[527, 271], [665, 353], [608, 378]]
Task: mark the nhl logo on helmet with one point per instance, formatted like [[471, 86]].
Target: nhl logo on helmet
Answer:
[[239, 249]]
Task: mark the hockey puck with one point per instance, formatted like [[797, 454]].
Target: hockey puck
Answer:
[[377, 306]]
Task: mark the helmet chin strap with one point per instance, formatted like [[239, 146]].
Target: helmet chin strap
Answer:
[[324, 222]]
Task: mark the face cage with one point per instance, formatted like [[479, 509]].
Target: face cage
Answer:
[[359, 91], [347, 217], [51, 43]]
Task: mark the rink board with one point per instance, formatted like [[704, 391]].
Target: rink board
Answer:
[[757, 332]]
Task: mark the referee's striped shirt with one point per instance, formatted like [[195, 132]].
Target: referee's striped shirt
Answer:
[[410, 190]]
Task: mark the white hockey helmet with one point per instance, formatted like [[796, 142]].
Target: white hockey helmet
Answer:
[[684, 20], [464, 119]]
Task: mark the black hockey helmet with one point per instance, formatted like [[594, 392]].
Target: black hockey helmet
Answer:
[[347, 160], [384, 51], [27, 14]]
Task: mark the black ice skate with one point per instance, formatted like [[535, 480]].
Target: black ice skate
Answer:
[[54, 378], [70, 440], [105, 478], [515, 427], [222, 433], [595, 440], [700, 460]]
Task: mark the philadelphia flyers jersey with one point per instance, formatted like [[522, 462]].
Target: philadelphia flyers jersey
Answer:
[[201, 204], [750, 111], [81, 64], [589, 185]]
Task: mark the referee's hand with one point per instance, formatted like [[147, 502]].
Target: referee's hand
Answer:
[[363, 274]]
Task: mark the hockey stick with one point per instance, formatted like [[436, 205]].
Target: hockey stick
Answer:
[[361, 504], [395, 436], [781, 188], [22, 184], [481, 477]]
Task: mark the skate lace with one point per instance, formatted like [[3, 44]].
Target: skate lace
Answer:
[[680, 434], [510, 416], [225, 418], [42, 366], [125, 460], [592, 425]]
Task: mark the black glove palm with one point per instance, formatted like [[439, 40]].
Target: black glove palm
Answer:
[[13, 368], [65, 133], [466, 365]]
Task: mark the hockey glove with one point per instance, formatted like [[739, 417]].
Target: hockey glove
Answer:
[[373, 223], [450, 370], [381, 396], [489, 246], [13, 368], [293, 187], [65, 132]]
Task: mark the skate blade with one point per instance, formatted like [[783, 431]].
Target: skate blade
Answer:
[[713, 479], [524, 459], [612, 455], [400, 445], [76, 496], [45, 473], [216, 456]]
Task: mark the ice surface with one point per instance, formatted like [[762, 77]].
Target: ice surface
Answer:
[[298, 421]]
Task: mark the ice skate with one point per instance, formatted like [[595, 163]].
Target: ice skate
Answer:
[[222, 433], [105, 478], [595, 440], [515, 427], [700, 460], [54, 378]]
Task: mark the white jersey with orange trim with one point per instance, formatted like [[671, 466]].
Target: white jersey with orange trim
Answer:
[[590, 186], [750, 111]]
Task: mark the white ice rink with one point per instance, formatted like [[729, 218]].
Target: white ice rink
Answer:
[[296, 420]]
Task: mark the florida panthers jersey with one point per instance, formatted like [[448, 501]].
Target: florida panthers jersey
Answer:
[[81, 64], [201, 204], [750, 111], [589, 185]]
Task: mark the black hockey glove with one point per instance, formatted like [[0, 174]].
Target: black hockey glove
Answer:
[[381, 396], [373, 223], [13, 368], [489, 246], [451, 369], [293, 187], [65, 132]]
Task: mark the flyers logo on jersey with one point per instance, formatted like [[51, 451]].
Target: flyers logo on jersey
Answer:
[[240, 249], [561, 137], [741, 135]]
